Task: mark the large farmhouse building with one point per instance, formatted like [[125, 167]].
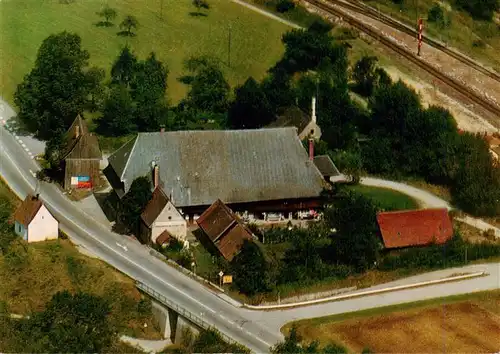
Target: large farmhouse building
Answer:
[[252, 171]]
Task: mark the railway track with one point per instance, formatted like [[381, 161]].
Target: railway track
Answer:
[[410, 56], [368, 11]]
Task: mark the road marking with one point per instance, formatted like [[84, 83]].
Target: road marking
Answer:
[[122, 246], [23, 144], [226, 319], [23, 176]]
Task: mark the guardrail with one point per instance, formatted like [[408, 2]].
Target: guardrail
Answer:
[[365, 293], [182, 311]]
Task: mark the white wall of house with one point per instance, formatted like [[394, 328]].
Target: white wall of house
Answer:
[[43, 226], [171, 220]]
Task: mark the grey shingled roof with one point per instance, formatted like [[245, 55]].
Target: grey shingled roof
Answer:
[[326, 166], [198, 167]]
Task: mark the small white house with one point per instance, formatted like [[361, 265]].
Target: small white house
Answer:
[[34, 222], [161, 215]]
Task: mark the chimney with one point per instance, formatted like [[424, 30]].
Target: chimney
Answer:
[[162, 129], [156, 176], [313, 109], [311, 149], [77, 131]]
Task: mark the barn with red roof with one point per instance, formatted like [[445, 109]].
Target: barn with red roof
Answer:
[[411, 228]]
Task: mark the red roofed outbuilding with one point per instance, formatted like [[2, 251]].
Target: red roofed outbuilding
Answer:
[[409, 228], [223, 230]]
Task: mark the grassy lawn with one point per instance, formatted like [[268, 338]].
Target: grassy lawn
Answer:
[[463, 323], [461, 33], [255, 39], [386, 198]]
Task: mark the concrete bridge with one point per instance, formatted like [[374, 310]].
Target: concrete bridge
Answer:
[[174, 320]]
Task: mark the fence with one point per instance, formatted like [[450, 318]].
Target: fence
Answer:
[[187, 272], [182, 311]]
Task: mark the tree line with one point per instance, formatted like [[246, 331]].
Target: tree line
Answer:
[[404, 138]]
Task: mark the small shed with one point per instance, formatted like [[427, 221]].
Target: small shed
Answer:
[[223, 230], [34, 222], [81, 157], [411, 228]]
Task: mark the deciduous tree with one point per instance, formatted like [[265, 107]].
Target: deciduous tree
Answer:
[[250, 108], [109, 15], [250, 270], [201, 4], [123, 69], [209, 90], [134, 202], [364, 75], [57, 88], [128, 23], [355, 241], [476, 188], [118, 113], [70, 323], [479, 9]]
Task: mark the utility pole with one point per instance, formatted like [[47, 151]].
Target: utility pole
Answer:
[[229, 47]]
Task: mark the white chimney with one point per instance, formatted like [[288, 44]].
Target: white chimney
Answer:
[[313, 110]]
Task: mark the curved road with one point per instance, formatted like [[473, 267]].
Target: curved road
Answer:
[[257, 330]]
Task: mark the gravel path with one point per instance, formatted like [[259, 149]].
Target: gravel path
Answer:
[[266, 13], [426, 199]]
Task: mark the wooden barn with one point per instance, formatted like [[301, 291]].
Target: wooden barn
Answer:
[[81, 158]]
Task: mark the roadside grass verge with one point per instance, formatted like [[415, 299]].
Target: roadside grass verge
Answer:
[[31, 273], [255, 39], [387, 199], [463, 322]]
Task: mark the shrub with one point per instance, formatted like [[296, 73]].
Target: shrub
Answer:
[[284, 6], [453, 253]]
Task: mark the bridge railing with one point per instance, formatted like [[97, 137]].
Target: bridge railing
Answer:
[[182, 311]]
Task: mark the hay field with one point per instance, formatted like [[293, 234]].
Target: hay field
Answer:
[[453, 326]]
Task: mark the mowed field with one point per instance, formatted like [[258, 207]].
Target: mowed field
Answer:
[[459, 325], [255, 39]]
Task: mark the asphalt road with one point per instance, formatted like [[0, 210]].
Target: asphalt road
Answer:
[[16, 167], [257, 330]]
